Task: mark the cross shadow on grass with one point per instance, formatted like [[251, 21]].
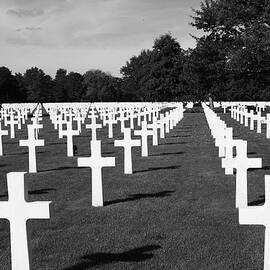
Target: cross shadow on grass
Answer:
[[265, 168], [55, 143], [260, 201], [139, 196], [179, 136], [32, 192], [61, 169], [109, 153], [102, 258], [158, 168], [40, 191], [175, 143], [24, 153], [17, 153], [167, 154]]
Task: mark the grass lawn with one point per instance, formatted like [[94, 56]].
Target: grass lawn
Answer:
[[177, 211]]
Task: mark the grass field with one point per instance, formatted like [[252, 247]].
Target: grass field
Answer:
[[177, 211]]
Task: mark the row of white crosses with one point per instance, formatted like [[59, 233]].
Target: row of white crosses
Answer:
[[240, 113], [13, 116], [241, 163], [248, 215], [111, 114], [17, 210]]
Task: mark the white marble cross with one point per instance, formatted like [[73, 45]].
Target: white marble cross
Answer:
[[161, 126], [110, 122], [69, 133], [96, 162], [155, 126], [259, 215], [36, 125], [79, 119], [12, 122], [241, 163], [122, 118], [229, 146], [93, 126], [2, 133], [31, 143], [17, 210], [252, 118], [222, 142], [127, 143], [60, 122], [144, 133]]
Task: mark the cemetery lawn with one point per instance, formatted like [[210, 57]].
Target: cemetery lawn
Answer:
[[177, 211]]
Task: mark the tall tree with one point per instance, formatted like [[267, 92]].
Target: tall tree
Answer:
[[100, 86], [60, 88], [38, 85], [9, 89], [155, 75], [240, 30], [74, 87], [166, 66], [135, 74]]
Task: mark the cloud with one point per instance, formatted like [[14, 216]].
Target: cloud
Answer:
[[89, 30], [28, 29], [33, 28], [22, 13], [33, 3]]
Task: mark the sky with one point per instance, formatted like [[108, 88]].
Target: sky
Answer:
[[80, 35]]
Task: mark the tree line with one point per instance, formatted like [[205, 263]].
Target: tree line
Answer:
[[231, 61]]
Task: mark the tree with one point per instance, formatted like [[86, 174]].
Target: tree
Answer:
[[22, 93], [100, 87], [166, 63], [75, 90], [204, 70], [240, 29], [9, 88], [135, 74], [155, 75], [59, 89], [38, 85]]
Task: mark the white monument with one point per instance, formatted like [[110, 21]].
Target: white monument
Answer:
[[260, 215], [96, 162], [127, 143], [32, 143], [17, 210]]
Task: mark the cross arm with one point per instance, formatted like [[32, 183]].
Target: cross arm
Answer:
[[85, 162], [39, 210], [254, 215]]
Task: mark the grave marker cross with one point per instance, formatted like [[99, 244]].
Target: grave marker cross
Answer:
[[31, 143], [17, 210], [93, 126], [260, 215], [144, 133], [12, 122], [96, 162], [69, 133], [241, 163], [127, 143]]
